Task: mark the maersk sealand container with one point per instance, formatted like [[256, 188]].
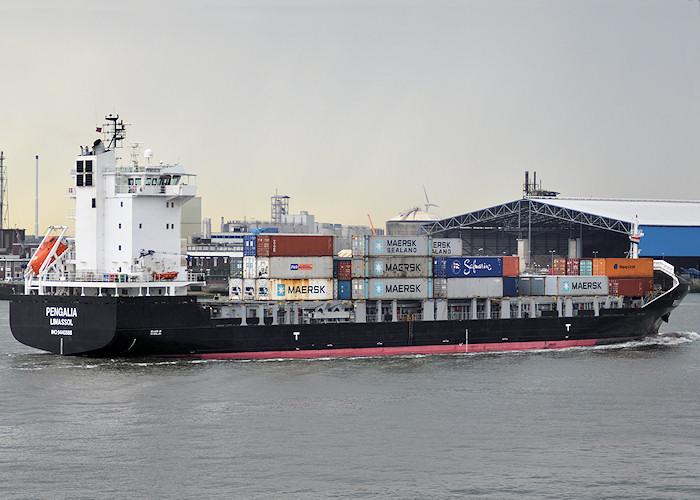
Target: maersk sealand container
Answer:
[[468, 267]]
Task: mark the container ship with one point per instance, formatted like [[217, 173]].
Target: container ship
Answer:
[[119, 286]]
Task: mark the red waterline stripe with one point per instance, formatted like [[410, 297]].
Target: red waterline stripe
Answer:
[[392, 351]]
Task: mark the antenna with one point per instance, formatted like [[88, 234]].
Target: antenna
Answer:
[[427, 201], [36, 200], [118, 130], [3, 194]]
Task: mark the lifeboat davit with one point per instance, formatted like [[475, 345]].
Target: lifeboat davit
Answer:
[[43, 252]]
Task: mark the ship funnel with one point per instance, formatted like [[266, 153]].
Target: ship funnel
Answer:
[[98, 147]]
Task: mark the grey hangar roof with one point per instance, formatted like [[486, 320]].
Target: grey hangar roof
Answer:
[[670, 227]]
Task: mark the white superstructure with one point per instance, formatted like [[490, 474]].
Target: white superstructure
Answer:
[[127, 225]]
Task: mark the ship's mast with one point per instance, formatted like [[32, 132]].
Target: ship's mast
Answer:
[[3, 194], [118, 130]]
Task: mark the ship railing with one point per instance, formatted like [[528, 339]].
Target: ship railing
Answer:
[[168, 190], [100, 276]]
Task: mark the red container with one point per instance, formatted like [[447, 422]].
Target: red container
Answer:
[[572, 267], [292, 245], [511, 266], [631, 287], [344, 270]]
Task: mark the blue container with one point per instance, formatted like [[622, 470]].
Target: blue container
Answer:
[[510, 286], [468, 267], [344, 290], [250, 245]]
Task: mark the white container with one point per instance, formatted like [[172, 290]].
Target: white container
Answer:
[[359, 246], [458, 288], [399, 288], [248, 289], [359, 290], [358, 269], [444, 247], [417, 246], [582, 285], [262, 267], [250, 269], [262, 291], [299, 267], [440, 288], [235, 289], [300, 289], [399, 267]]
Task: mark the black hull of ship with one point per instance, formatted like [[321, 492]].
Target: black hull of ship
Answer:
[[179, 326]]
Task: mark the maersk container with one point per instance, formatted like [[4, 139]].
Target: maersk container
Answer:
[[399, 288], [295, 267], [474, 288], [468, 267], [250, 245], [447, 247], [294, 245], [300, 289], [399, 267], [576, 285], [250, 267], [344, 290], [510, 286], [550, 285], [416, 246], [585, 267], [631, 287]]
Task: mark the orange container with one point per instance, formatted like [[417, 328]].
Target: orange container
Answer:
[[629, 268], [511, 266], [598, 267]]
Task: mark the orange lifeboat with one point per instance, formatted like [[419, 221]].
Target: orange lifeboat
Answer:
[[43, 252], [170, 275]]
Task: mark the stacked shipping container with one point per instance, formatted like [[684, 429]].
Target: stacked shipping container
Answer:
[[302, 267]]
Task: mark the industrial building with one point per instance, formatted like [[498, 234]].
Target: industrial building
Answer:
[[539, 228]]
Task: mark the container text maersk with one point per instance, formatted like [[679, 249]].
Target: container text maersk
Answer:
[[294, 289]]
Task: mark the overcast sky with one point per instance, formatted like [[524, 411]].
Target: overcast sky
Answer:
[[351, 107]]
